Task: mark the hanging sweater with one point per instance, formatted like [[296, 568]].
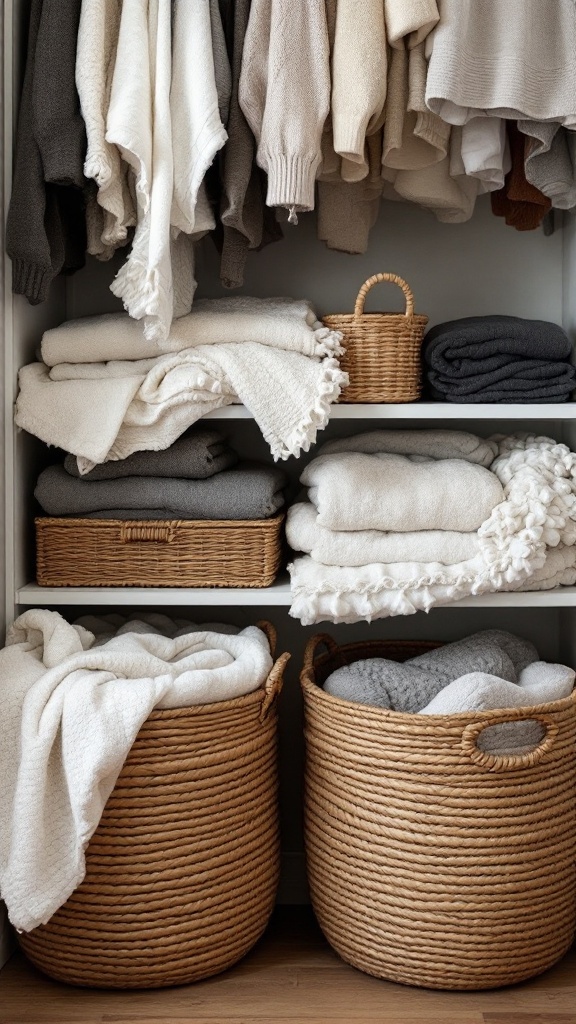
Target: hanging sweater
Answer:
[[410, 20], [247, 223], [95, 60], [285, 94], [358, 77], [45, 231], [509, 58]]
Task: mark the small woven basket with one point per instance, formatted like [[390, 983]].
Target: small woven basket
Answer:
[[431, 862], [114, 553], [182, 871], [382, 356]]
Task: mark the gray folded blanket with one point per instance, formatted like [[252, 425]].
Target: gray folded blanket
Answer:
[[195, 456], [499, 359], [251, 491], [411, 685]]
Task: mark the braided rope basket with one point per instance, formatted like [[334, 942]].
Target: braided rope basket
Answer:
[[430, 861], [182, 871], [383, 350]]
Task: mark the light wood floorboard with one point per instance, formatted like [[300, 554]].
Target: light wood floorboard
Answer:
[[292, 977]]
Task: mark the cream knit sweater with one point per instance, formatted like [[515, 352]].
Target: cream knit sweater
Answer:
[[411, 20], [359, 66], [509, 58], [285, 94]]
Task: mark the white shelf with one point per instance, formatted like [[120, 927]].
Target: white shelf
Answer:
[[276, 596], [427, 411]]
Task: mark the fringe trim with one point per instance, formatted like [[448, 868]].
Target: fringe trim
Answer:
[[331, 384]]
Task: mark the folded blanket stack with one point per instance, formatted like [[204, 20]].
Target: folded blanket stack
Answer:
[[73, 699], [499, 359], [198, 477], [401, 521], [488, 671], [103, 391]]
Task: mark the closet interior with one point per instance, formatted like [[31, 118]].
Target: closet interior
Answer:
[[455, 270]]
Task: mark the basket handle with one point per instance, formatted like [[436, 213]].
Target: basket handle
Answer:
[[153, 533], [270, 632], [508, 762], [274, 684], [320, 640], [377, 279]]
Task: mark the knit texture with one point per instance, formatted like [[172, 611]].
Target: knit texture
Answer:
[[550, 161], [410, 20], [95, 61], [358, 75], [286, 55], [511, 58], [200, 454], [251, 491], [521, 204], [45, 230]]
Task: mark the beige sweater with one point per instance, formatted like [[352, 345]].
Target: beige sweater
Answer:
[[359, 65], [509, 58], [410, 19], [285, 94]]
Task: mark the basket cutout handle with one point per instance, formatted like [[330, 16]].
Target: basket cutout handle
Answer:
[[274, 684], [270, 632], [377, 279], [152, 533], [508, 762]]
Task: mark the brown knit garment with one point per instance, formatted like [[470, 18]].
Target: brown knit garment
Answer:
[[522, 205]]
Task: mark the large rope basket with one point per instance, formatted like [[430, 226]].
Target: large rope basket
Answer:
[[182, 871], [383, 350], [430, 861]]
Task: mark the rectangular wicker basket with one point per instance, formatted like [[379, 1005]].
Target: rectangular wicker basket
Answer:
[[114, 553]]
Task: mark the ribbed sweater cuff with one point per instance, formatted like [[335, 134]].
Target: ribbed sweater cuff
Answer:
[[350, 143], [30, 280], [291, 180]]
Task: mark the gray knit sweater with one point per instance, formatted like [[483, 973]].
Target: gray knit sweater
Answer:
[[45, 231]]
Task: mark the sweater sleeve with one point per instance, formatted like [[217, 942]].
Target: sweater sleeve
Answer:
[[414, 18], [29, 215], [285, 94], [359, 65], [58, 125]]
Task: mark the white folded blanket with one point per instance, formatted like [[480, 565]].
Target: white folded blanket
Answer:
[[99, 416], [70, 713], [287, 324], [398, 493], [361, 547], [436, 444], [535, 522]]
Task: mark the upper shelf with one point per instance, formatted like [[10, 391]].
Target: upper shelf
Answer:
[[277, 595], [428, 411]]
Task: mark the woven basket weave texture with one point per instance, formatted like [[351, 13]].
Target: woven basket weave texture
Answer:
[[431, 862], [114, 553], [182, 871], [383, 350]]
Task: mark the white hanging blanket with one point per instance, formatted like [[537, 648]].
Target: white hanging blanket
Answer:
[[536, 519], [70, 712]]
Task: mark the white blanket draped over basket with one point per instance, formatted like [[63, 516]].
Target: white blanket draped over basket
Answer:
[[71, 708]]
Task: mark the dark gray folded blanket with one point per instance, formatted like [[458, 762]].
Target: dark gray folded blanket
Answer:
[[251, 491], [195, 456], [499, 359]]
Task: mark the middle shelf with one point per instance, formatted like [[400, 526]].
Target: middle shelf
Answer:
[[277, 595], [427, 411]]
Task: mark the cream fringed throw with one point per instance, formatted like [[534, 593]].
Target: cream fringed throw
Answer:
[[287, 324], [535, 521], [106, 411], [70, 714]]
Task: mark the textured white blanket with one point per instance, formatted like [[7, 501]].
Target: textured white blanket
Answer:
[[70, 713], [361, 547], [287, 324], [99, 416], [353, 491], [526, 543]]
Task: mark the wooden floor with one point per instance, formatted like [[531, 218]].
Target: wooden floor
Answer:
[[291, 976]]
